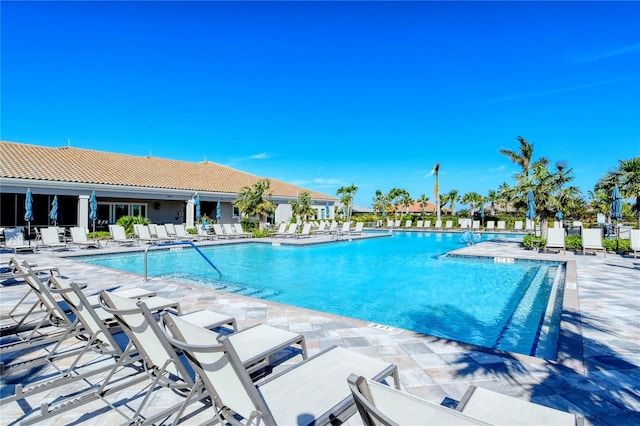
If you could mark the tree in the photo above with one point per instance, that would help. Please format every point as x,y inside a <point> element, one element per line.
<point>436,188</point>
<point>453,198</point>
<point>346,194</point>
<point>505,195</point>
<point>424,202</point>
<point>492,198</point>
<point>254,201</point>
<point>302,206</point>
<point>406,201</point>
<point>473,199</point>
<point>523,158</point>
<point>393,198</point>
<point>627,177</point>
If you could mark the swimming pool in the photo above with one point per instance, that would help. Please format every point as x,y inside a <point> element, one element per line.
<point>403,281</point>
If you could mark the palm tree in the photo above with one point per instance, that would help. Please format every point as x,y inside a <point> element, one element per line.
<point>393,198</point>
<point>436,188</point>
<point>505,194</point>
<point>523,158</point>
<point>346,194</point>
<point>379,202</point>
<point>453,198</point>
<point>406,201</point>
<point>473,199</point>
<point>424,202</point>
<point>255,201</point>
<point>627,176</point>
<point>302,206</point>
<point>492,198</point>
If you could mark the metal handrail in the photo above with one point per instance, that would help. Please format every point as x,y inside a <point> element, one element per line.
<point>189,243</point>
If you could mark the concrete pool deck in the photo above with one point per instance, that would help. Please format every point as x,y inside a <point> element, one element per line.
<point>598,375</point>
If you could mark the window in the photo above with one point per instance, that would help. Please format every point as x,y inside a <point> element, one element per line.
<point>236,212</point>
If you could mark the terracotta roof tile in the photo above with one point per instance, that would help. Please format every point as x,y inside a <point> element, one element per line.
<point>68,164</point>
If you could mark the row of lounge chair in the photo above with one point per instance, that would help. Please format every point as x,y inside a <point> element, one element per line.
<point>323,228</point>
<point>466,224</point>
<point>591,240</point>
<point>51,238</point>
<point>161,346</point>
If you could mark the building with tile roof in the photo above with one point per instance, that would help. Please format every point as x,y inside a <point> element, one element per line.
<point>160,189</point>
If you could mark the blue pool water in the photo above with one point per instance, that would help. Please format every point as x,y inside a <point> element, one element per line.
<point>401,281</point>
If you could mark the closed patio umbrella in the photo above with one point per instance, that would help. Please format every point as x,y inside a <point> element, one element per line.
<point>28,212</point>
<point>218,211</point>
<point>326,210</point>
<point>196,203</point>
<point>531,206</point>
<point>616,204</point>
<point>53,214</point>
<point>93,206</point>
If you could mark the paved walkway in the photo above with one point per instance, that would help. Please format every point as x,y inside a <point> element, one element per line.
<point>597,374</point>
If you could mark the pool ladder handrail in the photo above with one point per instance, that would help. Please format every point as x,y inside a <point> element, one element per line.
<point>179,243</point>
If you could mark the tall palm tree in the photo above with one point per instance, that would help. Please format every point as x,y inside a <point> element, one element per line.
<point>424,202</point>
<point>492,198</point>
<point>346,194</point>
<point>255,200</point>
<point>523,158</point>
<point>302,206</point>
<point>406,201</point>
<point>436,188</point>
<point>473,199</point>
<point>393,198</point>
<point>379,202</point>
<point>453,198</point>
<point>505,195</point>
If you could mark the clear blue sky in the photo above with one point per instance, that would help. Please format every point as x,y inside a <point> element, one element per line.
<point>326,94</point>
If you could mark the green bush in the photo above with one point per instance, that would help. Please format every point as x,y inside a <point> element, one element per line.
<point>261,233</point>
<point>99,235</point>
<point>250,224</point>
<point>573,242</point>
<point>128,221</point>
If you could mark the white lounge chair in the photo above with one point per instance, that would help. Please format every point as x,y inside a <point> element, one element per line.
<point>51,240</point>
<point>438,224</point>
<point>381,405</point>
<point>255,346</point>
<point>397,223</point>
<point>79,238</point>
<point>502,225</point>
<point>313,391</point>
<point>517,226</point>
<point>420,224</point>
<point>240,232</point>
<point>448,224</point>
<point>555,239</point>
<point>144,234</point>
<point>634,241</point>
<point>291,230</point>
<point>229,231</point>
<point>306,231</point>
<point>162,234</point>
<point>408,223</point>
<point>119,236</point>
<point>182,234</point>
<point>346,227</point>
<point>358,229</point>
<point>282,229</point>
<point>475,225</point>
<point>491,225</point>
<point>218,231</point>
<point>592,241</point>
<point>390,223</point>
<point>171,229</point>
<point>427,224</point>
<point>14,240</point>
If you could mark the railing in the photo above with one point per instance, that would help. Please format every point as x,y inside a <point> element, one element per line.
<point>182,243</point>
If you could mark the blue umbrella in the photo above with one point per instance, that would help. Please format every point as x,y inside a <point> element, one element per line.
<point>616,204</point>
<point>531,206</point>
<point>93,213</point>
<point>218,211</point>
<point>53,214</point>
<point>28,206</point>
<point>326,210</point>
<point>559,215</point>
<point>28,212</point>
<point>196,203</point>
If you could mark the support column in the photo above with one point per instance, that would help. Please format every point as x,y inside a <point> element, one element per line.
<point>83,211</point>
<point>190,213</point>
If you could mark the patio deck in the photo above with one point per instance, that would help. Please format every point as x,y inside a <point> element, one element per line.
<point>597,374</point>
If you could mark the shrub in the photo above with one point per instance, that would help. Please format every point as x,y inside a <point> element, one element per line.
<point>128,221</point>
<point>99,235</point>
<point>250,224</point>
<point>573,242</point>
<point>257,233</point>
